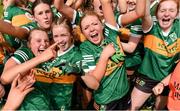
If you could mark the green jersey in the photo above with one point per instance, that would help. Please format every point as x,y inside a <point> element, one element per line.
<point>161,51</point>
<point>36,99</point>
<point>153,7</point>
<point>17,17</point>
<point>114,85</point>
<point>22,55</point>
<point>61,74</point>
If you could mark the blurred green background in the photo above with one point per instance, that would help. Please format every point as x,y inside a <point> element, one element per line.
<point>1,9</point>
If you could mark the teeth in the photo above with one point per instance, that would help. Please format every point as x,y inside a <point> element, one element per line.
<point>94,35</point>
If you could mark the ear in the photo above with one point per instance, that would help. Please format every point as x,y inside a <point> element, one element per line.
<point>28,44</point>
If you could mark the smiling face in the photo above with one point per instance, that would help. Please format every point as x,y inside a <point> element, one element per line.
<point>43,15</point>
<point>38,42</point>
<point>92,29</point>
<point>166,14</point>
<point>62,35</point>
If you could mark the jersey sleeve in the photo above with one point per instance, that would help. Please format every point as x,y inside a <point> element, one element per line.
<point>8,14</point>
<point>23,54</point>
<point>88,62</point>
<point>76,17</point>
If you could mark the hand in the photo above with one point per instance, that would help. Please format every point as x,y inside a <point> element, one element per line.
<point>118,56</point>
<point>2,91</point>
<point>19,89</point>
<point>58,3</point>
<point>158,89</point>
<point>49,53</point>
<point>108,51</point>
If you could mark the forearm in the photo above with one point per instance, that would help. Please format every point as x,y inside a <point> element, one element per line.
<point>131,16</point>
<point>140,7</point>
<point>64,9</point>
<point>122,6</point>
<point>9,74</point>
<point>146,19</point>
<point>100,69</point>
<point>131,45</point>
<point>7,28</point>
<point>108,12</point>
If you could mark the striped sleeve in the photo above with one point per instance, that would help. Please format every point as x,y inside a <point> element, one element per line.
<point>22,55</point>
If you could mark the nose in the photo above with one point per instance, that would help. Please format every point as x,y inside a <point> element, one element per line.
<point>91,28</point>
<point>43,43</point>
<point>167,13</point>
<point>45,15</point>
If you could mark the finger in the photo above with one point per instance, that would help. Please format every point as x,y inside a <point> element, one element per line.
<point>15,81</point>
<point>24,84</point>
<point>29,85</point>
<point>28,90</point>
<point>53,46</point>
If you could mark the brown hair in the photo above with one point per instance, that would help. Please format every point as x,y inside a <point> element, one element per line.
<point>21,2</point>
<point>37,2</point>
<point>65,23</point>
<point>89,13</point>
<point>36,29</point>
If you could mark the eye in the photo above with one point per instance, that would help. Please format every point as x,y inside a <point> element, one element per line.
<point>55,36</point>
<point>86,27</point>
<point>162,10</point>
<point>95,23</point>
<point>40,13</point>
<point>47,11</point>
<point>172,10</point>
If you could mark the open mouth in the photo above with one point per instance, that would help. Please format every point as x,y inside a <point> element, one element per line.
<point>166,20</point>
<point>41,50</point>
<point>47,22</point>
<point>94,35</point>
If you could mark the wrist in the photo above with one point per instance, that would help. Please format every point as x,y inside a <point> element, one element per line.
<point>162,84</point>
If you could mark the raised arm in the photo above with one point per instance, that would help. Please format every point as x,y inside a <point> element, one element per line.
<point>131,16</point>
<point>64,9</point>
<point>108,12</point>
<point>122,6</point>
<point>9,29</point>
<point>147,21</point>
<point>10,73</point>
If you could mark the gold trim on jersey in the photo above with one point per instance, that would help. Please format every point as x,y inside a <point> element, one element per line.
<point>111,67</point>
<point>20,20</point>
<point>4,46</point>
<point>158,46</point>
<point>78,34</point>
<point>53,76</point>
<point>125,33</point>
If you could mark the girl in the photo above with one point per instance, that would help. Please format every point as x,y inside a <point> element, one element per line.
<point>42,15</point>
<point>106,96</point>
<point>38,42</point>
<point>67,65</point>
<point>161,52</point>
